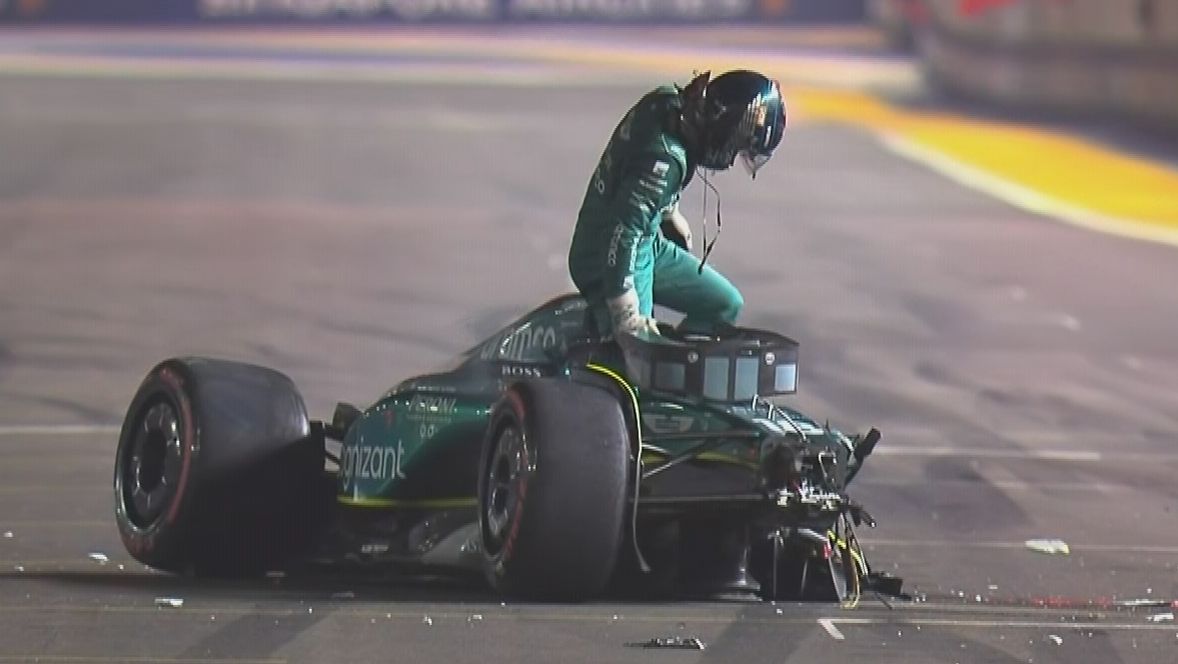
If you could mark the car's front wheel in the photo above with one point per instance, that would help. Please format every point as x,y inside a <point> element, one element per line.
<point>552,490</point>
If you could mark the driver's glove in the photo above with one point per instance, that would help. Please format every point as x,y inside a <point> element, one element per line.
<point>623,314</point>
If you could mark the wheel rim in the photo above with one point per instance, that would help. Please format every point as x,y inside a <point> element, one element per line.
<point>506,470</point>
<point>151,469</point>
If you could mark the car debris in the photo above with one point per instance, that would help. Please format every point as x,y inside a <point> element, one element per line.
<point>670,643</point>
<point>1049,546</point>
<point>169,602</point>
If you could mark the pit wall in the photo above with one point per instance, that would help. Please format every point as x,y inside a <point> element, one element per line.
<point>1082,56</point>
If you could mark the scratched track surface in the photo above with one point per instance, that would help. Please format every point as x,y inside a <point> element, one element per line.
<point>351,233</point>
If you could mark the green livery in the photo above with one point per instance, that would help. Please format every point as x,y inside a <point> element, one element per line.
<point>554,462</point>
<point>418,444</point>
<point>400,436</point>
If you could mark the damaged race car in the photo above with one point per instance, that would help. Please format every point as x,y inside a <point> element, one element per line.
<point>558,465</point>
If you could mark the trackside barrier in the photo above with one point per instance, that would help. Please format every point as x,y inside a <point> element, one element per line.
<point>450,11</point>
<point>1083,56</point>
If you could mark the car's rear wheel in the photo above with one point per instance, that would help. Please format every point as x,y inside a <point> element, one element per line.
<point>552,490</point>
<point>216,468</point>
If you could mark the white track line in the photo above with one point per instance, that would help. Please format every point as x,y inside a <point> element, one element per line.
<point>968,544</point>
<point>130,659</point>
<point>57,429</point>
<point>1024,197</point>
<point>828,625</point>
<point>1008,485</point>
<point>50,430</point>
<point>1084,456</point>
<point>989,453</point>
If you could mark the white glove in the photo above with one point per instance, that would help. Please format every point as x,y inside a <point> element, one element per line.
<point>674,217</point>
<point>623,314</point>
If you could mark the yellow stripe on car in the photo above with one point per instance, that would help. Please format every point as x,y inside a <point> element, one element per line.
<point>425,503</point>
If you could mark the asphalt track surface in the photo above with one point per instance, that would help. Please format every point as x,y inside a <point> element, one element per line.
<point>351,232</point>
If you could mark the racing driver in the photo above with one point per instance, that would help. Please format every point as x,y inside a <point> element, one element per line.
<point>631,247</point>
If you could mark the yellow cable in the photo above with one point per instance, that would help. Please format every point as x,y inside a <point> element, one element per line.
<point>625,385</point>
<point>637,457</point>
<point>857,591</point>
<point>858,558</point>
<point>858,566</point>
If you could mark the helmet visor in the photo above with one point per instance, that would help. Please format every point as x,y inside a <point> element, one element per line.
<point>765,120</point>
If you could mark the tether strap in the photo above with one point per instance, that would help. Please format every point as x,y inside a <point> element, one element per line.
<point>719,223</point>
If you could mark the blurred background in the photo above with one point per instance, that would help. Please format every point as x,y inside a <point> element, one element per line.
<point>421,114</point>
<point>1066,55</point>
<point>971,228</point>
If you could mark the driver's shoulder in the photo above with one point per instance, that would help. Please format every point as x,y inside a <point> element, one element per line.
<point>664,156</point>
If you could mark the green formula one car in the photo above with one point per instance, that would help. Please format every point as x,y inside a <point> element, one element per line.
<point>559,466</point>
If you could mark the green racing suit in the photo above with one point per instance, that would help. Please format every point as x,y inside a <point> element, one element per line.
<point>617,244</point>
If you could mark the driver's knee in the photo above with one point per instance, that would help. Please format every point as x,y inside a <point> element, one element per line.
<point>723,307</point>
<point>706,313</point>
<point>730,307</point>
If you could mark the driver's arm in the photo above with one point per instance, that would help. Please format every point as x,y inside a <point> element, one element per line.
<point>647,186</point>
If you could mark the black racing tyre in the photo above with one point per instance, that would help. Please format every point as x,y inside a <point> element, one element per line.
<point>216,468</point>
<point>553,486</point>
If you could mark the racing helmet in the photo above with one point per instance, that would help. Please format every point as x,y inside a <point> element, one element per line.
<point>738,113</point>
